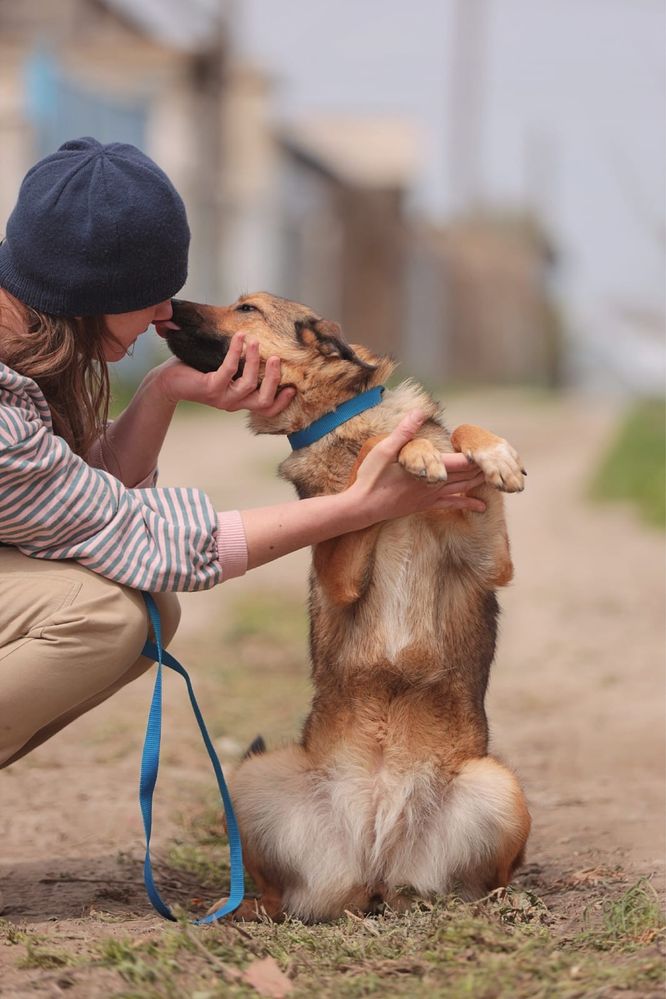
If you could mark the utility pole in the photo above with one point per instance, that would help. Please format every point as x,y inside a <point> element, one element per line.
<point>467,80</point>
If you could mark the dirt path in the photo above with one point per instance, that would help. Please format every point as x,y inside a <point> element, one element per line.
<point>576,701</point>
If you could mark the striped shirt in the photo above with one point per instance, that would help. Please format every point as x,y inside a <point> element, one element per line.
<point>55,505</point>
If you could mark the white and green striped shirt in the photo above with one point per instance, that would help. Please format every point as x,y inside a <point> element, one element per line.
<point>54,505</point>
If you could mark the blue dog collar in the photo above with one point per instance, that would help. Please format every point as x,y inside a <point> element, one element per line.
<point>345,411</point>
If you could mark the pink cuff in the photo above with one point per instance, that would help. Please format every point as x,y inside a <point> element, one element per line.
<point>231,544</point>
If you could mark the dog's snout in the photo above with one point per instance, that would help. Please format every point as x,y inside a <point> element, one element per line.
<point>193,336</point>
<point>185,313</point>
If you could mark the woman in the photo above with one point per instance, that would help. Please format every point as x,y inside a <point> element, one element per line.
<point>95,249</point>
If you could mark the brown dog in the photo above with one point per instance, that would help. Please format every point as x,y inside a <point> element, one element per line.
<point>390,793</point>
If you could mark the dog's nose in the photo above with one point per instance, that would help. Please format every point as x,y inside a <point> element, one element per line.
<point>180,310</point>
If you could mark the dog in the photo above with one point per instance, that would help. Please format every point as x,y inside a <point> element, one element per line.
<point>390,795</point>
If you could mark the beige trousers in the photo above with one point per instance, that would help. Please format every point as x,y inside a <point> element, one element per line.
<point>68,640</point>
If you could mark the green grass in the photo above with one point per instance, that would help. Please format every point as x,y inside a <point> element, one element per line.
<point>634,469</point>
<point>506,947</point>
<point>628,922</point>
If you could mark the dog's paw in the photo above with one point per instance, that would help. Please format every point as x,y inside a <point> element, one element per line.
<point>501,465</point>
<point>421,458</point>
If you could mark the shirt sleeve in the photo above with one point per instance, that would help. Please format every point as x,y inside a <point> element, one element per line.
<point>53,505</point>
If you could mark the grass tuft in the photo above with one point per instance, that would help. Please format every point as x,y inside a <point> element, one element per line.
<point>40,955</point>
<point>631,921</point>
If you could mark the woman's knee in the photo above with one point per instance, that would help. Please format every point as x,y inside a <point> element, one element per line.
<point>125,617</point>
<point>106,623</point>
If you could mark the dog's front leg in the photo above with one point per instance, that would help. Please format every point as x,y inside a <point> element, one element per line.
<point>503,469</point>
<point>344,565</point>
<point>499,462</point>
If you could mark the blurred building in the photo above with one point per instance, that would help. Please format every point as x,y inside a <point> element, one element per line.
<point>316,210</point>
<point>344,186</point>
<point>480,307</point>
<point>145,72</point>
<point>467,302</point>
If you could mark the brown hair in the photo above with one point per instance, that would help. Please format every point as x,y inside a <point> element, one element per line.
<point>64,355</point>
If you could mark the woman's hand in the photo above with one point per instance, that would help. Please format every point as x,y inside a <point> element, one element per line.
<point>218,389</point>
<point>385,490</point>
<point>382,490</point>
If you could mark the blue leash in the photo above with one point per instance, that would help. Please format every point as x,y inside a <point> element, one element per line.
<point>150,761</point>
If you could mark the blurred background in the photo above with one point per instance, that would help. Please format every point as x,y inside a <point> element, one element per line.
<point>476,186</point>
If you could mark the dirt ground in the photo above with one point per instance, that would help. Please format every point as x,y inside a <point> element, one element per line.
<point>576,701</point>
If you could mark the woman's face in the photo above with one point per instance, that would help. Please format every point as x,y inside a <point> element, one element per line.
<point>124,328</point>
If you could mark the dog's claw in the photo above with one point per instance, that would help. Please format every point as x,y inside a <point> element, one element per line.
<point>419,457</point>
<point>502,467</point>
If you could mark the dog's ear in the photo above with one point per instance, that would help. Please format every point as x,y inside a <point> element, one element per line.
<point>326,337</point>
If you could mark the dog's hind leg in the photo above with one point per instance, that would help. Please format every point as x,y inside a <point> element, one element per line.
<point>473,841</point>
<point>303,853</point>
<point>253,908</point>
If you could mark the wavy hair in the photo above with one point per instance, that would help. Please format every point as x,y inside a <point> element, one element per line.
<point>64,356</point>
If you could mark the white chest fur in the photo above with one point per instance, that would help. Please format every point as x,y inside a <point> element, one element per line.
<point>404,592</point>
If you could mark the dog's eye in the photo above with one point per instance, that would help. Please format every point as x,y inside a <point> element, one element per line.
<point>246,307</point>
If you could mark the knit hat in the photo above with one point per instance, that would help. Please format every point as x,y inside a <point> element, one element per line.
<point>96,229</point>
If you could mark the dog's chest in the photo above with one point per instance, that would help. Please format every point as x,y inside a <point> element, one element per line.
<point>404,595</point>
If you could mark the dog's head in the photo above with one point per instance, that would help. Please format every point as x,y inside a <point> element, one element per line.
<point>315,358</point>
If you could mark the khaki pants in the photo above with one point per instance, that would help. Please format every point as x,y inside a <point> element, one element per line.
<point>68,640</point>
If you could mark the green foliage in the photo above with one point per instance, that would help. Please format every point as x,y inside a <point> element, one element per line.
<point>634,469</point>
<point>152,962</point>
<point>40,955</point>
<point>628,922</point>
<point>505,947</point>
<point>10,933</point>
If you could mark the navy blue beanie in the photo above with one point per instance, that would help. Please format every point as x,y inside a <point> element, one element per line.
<point>96,229</point>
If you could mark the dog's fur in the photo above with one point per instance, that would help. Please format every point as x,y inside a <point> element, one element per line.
<point>391,793</point>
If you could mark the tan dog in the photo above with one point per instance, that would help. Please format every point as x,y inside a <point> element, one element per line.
<point>390,793</point>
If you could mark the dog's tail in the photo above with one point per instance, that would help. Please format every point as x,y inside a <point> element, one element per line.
<point>256,748</point>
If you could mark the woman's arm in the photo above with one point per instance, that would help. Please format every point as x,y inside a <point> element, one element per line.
<point>382,490</point>
<point>53,505</point>
<point>132,444</point>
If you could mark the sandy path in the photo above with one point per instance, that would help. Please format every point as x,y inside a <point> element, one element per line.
<point>576,701</point>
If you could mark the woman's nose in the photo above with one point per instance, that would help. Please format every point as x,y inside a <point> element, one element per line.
<point>163,311</point>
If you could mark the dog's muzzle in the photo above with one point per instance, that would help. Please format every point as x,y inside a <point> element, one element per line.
<point>192,341</point>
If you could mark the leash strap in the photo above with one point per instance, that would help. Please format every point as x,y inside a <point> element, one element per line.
<point>150,761</point>
<point>345,411</point>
